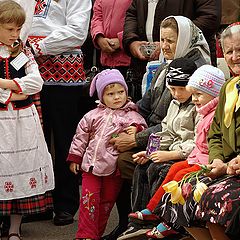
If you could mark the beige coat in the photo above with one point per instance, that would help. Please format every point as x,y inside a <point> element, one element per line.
<point>179,128</point>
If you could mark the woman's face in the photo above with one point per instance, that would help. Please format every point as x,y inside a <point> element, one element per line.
<point>168,42</point>
<point>231,48</point>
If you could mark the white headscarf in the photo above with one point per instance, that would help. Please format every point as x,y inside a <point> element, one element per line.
<point>189,37</point>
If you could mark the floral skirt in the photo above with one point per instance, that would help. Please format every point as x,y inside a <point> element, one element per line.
<point>30,205</point>
<point>220,204</point>
<point>177,214</point>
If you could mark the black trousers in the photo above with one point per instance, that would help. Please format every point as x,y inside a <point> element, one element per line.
<point>62,109</point>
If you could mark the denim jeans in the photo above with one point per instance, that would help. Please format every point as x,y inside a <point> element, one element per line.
<point>146,180</point>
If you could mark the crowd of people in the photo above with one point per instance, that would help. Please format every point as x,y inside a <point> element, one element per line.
<point>59,130</point>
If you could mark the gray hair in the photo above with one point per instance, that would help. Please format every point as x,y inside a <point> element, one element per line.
<point>228,32</point>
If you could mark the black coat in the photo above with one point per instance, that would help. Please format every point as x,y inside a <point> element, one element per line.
<point>206,14</point>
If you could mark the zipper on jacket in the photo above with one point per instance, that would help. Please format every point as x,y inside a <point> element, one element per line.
<point>100,139</point>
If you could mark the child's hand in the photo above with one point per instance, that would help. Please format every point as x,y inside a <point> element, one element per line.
<point>74,167</point>
<point>131,130</point>
<point>18,97</point>
<point>163,156</point>
<point>140,157</point>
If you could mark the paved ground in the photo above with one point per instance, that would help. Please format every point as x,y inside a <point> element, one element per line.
<point>46,230</point>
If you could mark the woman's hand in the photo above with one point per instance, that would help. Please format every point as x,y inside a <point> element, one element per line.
<point>234,166</point>
<point>135,49</point>
<point>124,142</point>
<point>218,168</point>
<point>140,157</point>
<point>156,53</point>
<point>114,43</point>
<point>74,167</point>
<point>104,44</point>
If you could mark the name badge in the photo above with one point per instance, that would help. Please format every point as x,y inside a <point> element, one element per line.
<point>19,61</point>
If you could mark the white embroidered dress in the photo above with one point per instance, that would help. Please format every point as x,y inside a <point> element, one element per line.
<point>25,163</point>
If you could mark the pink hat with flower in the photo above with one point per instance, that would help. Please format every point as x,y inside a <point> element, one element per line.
<point>207,79</point>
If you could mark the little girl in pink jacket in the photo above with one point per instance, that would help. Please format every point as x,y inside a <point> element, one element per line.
<point>92,153</point>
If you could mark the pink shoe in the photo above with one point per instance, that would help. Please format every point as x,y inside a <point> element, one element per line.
<point>143,217</point>
<point>156,234</point>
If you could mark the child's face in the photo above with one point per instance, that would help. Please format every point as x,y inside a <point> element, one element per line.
<point>179,93</point>
<point>199,98</point>
<point>114,96</point>
<point>9,33</point>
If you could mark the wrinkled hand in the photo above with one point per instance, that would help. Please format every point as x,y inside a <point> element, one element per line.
<point>114,43</point>
<point>74,167</point>
<point>124,142</point>
<point>156,53</point>
<point>104,44</point>
<point>218,168</point>
<point>131,130</point>
<point>140,157</point>
<point>135,49</point>
<point>234,166</point>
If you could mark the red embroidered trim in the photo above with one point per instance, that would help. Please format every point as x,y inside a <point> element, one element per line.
<point>20,89</point>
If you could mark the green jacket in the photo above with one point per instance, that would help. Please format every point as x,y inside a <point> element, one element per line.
<point>224,143</point>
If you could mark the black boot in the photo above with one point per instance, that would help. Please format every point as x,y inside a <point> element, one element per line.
<point>124,208</point>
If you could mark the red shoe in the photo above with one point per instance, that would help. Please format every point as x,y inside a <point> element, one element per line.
<point>143,217</point>
<point>156,234</point>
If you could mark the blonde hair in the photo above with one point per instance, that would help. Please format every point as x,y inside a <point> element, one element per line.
<point>12,12</point>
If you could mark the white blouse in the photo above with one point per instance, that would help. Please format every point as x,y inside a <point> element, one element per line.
<point>64,25</point>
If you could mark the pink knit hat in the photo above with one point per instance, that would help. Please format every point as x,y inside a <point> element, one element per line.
<point>104,78</point>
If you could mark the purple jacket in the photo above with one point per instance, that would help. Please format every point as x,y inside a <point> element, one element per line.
<point>90,146</point>
<point>199,155</point>
<point>108,19</point>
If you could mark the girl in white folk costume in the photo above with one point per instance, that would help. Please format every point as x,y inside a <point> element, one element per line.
<point>26,175</point>
<point>59,29</point>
